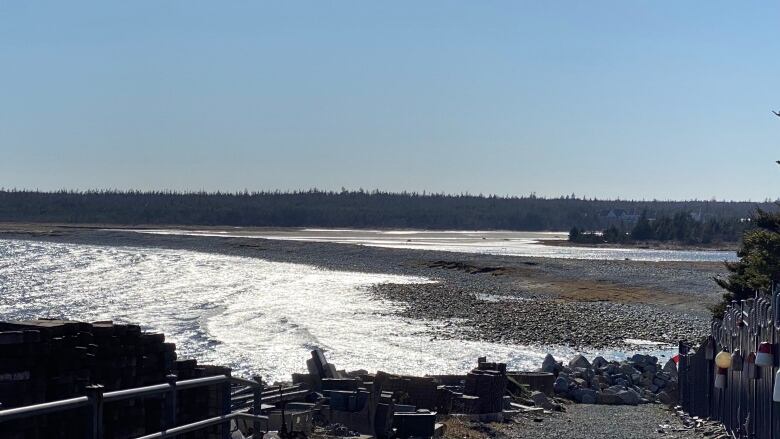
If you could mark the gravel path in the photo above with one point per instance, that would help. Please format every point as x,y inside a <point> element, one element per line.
<point>584,421</point>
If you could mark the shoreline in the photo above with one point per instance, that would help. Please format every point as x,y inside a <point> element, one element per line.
<point>648,245</point>
<point>506,299</point>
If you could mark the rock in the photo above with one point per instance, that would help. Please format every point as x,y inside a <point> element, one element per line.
<point>600,362</point>
<point>644,359</point>
<point>584,396</point>
<point>614,389</point>
<point>550,365</point>
<point>665,398</point>
<point>627,369</point>
<point>561,385</point>
<point>541,400</point>
<point>579,361</point>
<point>607,398</point>
<point>628,397</point>
<point>670,367</point>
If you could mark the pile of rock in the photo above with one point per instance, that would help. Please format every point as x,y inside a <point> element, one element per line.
<point>637,380</point>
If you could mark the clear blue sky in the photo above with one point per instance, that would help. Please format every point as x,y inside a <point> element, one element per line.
<point>630,99</point>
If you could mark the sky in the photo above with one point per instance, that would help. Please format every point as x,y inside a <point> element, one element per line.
<point>629,99</point>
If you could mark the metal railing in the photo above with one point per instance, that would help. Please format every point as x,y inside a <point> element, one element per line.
<point>95,399</point>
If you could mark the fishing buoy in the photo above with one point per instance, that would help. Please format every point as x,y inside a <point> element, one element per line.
<point>723,359</point>
<point>753,371</point>
<point>736,361</point>
<point>764,356</point>
<point>720,378</point>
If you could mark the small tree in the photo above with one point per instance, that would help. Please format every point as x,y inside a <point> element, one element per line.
<point>759,261</point>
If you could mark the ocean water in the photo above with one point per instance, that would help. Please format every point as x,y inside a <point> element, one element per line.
<point>256,316</point>
<point>485,242</point>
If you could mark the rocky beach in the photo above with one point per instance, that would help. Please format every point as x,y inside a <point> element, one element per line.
<point>533,301</point>
<point>578,304</point>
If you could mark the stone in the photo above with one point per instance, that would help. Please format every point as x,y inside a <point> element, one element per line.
<point>550,365</point>
<point>561,385</point>
<point>628,397</point>
<point>584,396</point>
<point>541,400</point>
<point>608,398</point>
<point>627,369</point>
<point>599,362</point>
<point>653,388</point>
<point>671,368</point>
<point>665,398</point>
<point>579,361</point>
<point>614,389</point>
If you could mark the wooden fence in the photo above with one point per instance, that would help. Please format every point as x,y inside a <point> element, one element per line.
<point>745,405</point>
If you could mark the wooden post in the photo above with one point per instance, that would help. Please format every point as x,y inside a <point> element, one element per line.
<point>257,402</point>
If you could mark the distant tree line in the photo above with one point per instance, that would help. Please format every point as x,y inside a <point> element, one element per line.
<point>363,209</point>
<point>681,227</point>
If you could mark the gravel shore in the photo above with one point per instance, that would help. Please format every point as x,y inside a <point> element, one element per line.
<point>476,314</point>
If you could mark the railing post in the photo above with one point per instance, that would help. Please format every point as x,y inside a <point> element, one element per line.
<point>225,426</point>
<point>95,412</point>
<point>257,403</point>
<point>170,403</point>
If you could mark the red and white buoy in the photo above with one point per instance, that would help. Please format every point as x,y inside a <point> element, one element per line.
<point>764,356</point>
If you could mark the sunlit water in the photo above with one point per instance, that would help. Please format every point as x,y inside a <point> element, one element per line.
<point>252,315</point>
<point>485,242</point>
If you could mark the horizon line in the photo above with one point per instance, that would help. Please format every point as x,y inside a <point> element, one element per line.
<point>376,191</point>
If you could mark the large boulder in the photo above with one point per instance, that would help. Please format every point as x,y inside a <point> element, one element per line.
<point>561,385</point>
<point>628,397</point>
<point>644,359</point>
<point>608,398</point>
<point>579,361</point>
<point>670,367</point>
<point>600,362</point>
<point>627,369</point>
<point>550,365</point>
<point>584,396</point>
